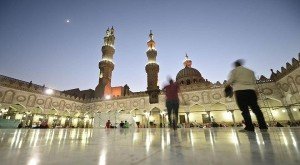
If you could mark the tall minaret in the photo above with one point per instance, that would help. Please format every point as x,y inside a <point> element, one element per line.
<point>152,69</point>
<point>106,65</point>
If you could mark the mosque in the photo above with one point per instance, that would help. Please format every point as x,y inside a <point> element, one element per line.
<point>205,102</point>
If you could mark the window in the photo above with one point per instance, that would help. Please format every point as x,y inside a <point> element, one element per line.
<point>188,82</point>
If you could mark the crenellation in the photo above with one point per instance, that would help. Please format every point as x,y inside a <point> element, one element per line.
<point>218,83</point>
<point>283,70</point>
<point>288,66</point>
<point>295,62</point>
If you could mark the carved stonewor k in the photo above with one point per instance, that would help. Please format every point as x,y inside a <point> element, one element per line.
<point>31,100</point>
<point>8,96</point>
<point>48,103</point>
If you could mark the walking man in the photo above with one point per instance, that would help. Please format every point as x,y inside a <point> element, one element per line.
<point>172,102</point>
<point>243,82</point>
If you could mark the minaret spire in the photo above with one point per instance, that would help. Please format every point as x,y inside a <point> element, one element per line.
<point>151,35</point>
<point>187,62</point>
<point>151,42</point>
<point>109,39</point>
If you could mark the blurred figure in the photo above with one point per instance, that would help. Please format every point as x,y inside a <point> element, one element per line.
<point>107,125</point>
<point>122,124</point>
<point>172,102</point>
<point>243,83</point>
<point>126,124</point>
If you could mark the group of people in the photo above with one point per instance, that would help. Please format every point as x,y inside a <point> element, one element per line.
<point>241,83</point>
<point>121,125</point>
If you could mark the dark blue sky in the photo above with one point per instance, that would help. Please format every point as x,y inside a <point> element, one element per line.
<point>36,43</point>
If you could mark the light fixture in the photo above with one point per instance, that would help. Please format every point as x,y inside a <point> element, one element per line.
<point>49,91</point>
<point>283,110</point>
<point>294,109</point>
<point>107,97</point>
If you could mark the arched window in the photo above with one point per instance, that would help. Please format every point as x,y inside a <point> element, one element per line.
<point>188,82</point>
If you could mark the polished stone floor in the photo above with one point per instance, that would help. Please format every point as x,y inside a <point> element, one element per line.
<point>149,146</point>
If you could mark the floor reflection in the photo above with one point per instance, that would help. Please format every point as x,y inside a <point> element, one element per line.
<point>149,146</point>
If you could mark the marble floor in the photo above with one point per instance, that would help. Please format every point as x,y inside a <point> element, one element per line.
<point>149,146</point>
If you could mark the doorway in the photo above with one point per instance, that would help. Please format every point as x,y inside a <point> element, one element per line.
<point>181,119</point>
<point>205,118</point>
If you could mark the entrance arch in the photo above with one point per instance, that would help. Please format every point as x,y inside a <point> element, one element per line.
<point>219,113</point>
<point>155,119</point>
<point>197,113</point>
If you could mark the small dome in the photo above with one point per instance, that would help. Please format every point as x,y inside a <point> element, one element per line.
<point>189,75</point>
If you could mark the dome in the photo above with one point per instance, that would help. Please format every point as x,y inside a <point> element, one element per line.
<point>189,75</point>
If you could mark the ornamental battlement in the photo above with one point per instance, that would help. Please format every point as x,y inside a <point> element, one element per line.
<point>34,88</point>
<point>286,70</point>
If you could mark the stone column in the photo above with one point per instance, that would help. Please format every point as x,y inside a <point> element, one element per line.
<point>92,122</point>
<point>290,114</point>
<point>188,119</point>
<point>163,122</point>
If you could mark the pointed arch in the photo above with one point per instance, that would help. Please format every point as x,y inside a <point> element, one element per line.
<point>155,109</point>
<point>18,108</point>
<point>270,103</point>
<point>218,106</point>
<point>65,113</point>
<point>37,110</point>
<point>136,111</point>
<point>52,111</point>
<point>197,108</point>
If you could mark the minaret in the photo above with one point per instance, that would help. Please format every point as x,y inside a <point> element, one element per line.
<point>106,65</point>
<point>152,69</point>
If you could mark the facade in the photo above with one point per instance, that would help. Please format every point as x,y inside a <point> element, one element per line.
<point>33,104</point>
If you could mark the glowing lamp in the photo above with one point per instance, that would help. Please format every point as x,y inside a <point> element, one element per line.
<point>49,91</point>
<point>107,97</point>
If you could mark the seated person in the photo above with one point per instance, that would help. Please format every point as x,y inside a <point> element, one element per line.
<point>126,124</point>
<point>108,124</point>
<point>122,124</point>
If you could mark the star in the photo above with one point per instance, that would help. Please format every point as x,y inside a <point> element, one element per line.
<point>67,20</point>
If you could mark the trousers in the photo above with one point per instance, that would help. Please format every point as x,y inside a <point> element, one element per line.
<point>246,99</point>
<point>172,106</point>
